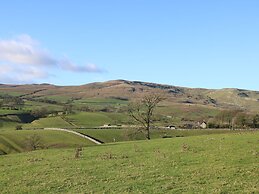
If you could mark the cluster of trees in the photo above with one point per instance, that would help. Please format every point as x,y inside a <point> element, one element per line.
<point>11,102</point>
<point>39,112</point>
<point>67,109</point>
<point>234,119</point>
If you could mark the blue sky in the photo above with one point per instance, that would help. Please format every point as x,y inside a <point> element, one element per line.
<point>211,44</point>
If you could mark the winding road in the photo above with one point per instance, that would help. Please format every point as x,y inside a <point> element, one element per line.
<point>76,133</point>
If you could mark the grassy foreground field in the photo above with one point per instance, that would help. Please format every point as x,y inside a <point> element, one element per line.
<point>220,163</point>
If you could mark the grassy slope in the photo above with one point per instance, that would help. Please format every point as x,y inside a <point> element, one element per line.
<point>6,126</point>
<point>206,164</point>
<point>230,96</point>
<point>30,105</point>
<point>7,146</point>
<point>100,102</point>
<point>48,122</point>
<point>85,119</point>
<point>94,119</point>
<point>4,111</point>
<point>15,141</point>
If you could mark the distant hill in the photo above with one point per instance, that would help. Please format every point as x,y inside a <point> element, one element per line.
<point>229,98</point>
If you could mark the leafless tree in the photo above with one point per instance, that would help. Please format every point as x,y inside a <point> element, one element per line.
<point>142,111</point>
<point>34,142</point>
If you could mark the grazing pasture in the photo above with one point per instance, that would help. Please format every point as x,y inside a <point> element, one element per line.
<point>218,163</point>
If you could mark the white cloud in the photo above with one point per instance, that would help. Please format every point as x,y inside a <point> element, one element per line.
<point>23,59</point>
<point>12,74</point>
<point>24,50</point>
<point>68,65</point>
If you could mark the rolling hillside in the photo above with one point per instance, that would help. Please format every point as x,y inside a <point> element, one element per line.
<point>124,90</point>
<point>102,103</point>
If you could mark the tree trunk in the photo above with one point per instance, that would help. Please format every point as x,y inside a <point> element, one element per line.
<point>148,131</point>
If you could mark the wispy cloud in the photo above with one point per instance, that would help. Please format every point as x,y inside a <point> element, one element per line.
<point>23,59</point>
<point>11,74</point>
<point>24,50</point>
<point>69,66</point>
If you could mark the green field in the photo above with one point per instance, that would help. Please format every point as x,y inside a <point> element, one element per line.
<point>119,135</point>
<point>6,125</point>
<point>15,141</point>
<point>81,119</point>
<point>5,111</point>
<point>101,101</point>
<point>225,163</point>
<point>58,98</point>
<point>48,122</point>
<point>30,105</point>
<point>112,135</point>
<point>96,119</point>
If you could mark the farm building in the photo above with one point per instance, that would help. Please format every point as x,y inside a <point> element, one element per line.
<point>203,125</point>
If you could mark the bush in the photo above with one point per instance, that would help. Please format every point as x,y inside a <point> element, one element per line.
<point>18,127</point>
<point>39,112</point>
<point>78,152</point>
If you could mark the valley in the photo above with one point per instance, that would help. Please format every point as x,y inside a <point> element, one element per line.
<point>46,128</point>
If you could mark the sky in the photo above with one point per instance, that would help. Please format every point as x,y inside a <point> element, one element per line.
<point>190,43</point>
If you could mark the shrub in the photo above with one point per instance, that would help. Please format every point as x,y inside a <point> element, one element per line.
<point>78,152</point>
<point>18,127</point>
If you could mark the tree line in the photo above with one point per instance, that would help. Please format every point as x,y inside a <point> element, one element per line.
<point>233,119</point>
<point>11,102</point>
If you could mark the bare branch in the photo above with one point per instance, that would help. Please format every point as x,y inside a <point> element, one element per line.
<point>142,111</point>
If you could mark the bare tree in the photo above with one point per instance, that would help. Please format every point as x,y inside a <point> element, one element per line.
<point>34,142</point>
<point>68,109</point>
<point>142,111</point>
